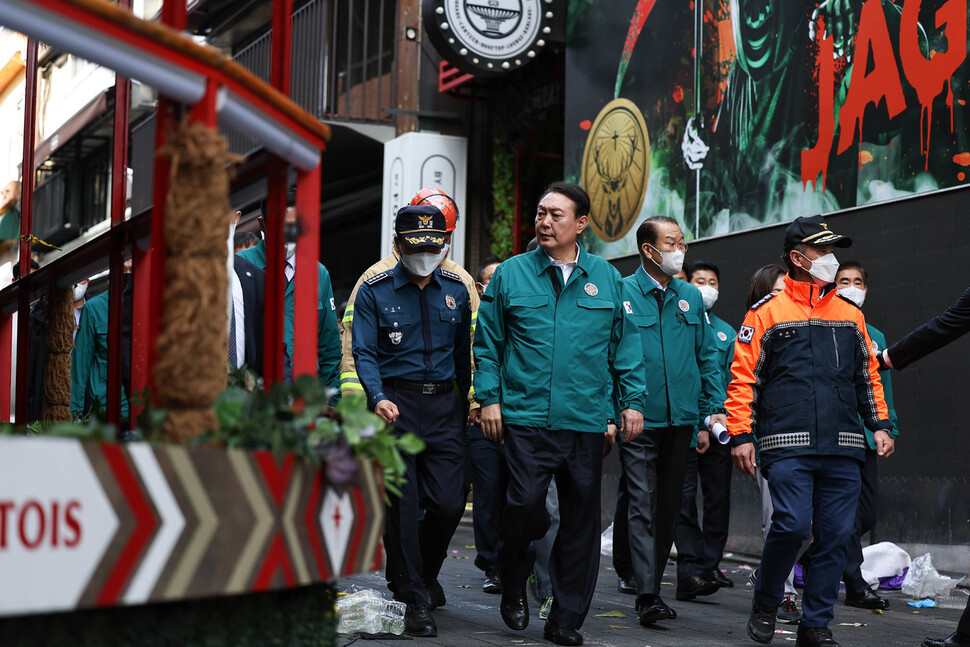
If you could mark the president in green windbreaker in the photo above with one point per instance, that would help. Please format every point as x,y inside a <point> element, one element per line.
<point>552,344</point>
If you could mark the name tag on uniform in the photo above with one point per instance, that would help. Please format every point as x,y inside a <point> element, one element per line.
<point>786,333</point>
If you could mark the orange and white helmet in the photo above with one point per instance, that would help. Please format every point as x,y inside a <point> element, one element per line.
<point>444,202</point>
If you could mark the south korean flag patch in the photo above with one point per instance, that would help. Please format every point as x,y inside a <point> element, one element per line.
<point>628,307</point>
<point>745,335</point>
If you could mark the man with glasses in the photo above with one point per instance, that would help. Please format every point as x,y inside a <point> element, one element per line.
<point>684,386</point>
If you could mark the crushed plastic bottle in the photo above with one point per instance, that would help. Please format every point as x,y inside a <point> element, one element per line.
<point>957,599</point>
<point>366,611</point>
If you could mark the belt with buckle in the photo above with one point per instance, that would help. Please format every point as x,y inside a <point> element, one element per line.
<point>424,388</point>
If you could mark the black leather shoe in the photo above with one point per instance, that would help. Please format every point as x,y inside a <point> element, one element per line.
<point>723,581</point>
<point>560,635</point>
<point>436,594</point>
<point>418,622</point>
<point>627,585</point>
<point>953,640</point>
<point>868,599</point>
<point>761,623</point>
<point>515,610</point>
<point>692,586</point>
<point>651,609</point>
<point>493,583</point>
<point>815,637</point>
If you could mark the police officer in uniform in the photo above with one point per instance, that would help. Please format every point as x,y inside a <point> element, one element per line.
<point>411,346</point>
<point>552,345</point>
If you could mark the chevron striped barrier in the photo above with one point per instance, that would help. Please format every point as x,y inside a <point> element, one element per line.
<point>87,525</point>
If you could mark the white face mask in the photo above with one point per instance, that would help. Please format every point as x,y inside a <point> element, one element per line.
<point>824,268</point>
<point>423,263</point>
<point>709,294</point>
<point>446,248</point>
<point>79,291</point>
<point>673,262</point>
<point>854,294</point>
<point>290,250</point>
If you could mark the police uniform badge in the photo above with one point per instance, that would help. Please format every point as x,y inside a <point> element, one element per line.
<point>396,336</point>
<point>683,305</point>
<point>424,222</point>
<point>450,302</point>
<point>746,334</point>
<point>591,289</point>
<point>628,307</point>
<point>721,335</point>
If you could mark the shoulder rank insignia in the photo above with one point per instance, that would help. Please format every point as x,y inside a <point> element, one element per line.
<point>451,275</point>
<point>377,278</point>
<point>763,301</point>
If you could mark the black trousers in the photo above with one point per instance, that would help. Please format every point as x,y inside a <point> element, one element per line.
<point>688,536</point>
<point>622,559</point>
<point>486,471</point>
<point>963,628</point>
<point>575,459</point>
<point>416,545</point>
<point>865,520</point>
<point>714,467</point>
<point>653,464</point>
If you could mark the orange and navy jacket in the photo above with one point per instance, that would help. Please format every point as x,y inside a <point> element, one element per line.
<point>803,374</point>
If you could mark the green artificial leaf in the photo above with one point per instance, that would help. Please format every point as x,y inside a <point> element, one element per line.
<point>410,443</point>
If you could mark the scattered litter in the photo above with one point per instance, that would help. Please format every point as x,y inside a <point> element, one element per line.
<point>922,604</point>
<point>621,627</point>
<point>464,586</point>
<point>853,624</point>
<point>611,614</point>
<point>877,611</point>
<point>454,552</point>
<point>366,611</point>
<point>784,631</point>
<point>884,565</point>
<point>924,581</point>
<point>472,547</point>
<point>666,584</point>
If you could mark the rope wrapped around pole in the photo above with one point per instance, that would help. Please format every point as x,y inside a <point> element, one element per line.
<point>60,342</point>
<point>190,372</point>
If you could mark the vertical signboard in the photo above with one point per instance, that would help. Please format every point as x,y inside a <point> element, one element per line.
<point>424,160</point>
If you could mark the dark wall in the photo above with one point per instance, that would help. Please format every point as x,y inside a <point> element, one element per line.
<point>916,251</point>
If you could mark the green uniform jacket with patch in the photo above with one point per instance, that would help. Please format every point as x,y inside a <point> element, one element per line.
<point>328,345</point>
<point>724,336</point>
<point>89,359</point>
<point>552,361</point>
<point>879,341</point>
<point>682,373</point>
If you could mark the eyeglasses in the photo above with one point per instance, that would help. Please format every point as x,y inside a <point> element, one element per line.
<point>681,246</point>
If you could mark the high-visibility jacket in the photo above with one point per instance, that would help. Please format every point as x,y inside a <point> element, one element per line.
<point>802,376</point>
<point>349,380</point>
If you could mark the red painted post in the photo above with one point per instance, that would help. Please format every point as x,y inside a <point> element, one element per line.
<point>275,277</point>
<point>116,251</point>
<point>150,290</point>
<point>204,111</point>
<point>26,228</point>
<point>6,365</point>
<point>305,345</point>
<point>282,44</point>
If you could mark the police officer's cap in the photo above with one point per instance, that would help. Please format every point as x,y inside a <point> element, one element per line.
<point>812,230</point>
<point>420,226</point>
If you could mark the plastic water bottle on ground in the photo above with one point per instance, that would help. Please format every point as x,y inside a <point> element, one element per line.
<point>368,612</point>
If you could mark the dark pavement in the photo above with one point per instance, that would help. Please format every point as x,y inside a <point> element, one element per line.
<point>471,617</point>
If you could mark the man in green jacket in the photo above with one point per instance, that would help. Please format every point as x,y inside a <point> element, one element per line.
<point>89,359</point>
<point>328,346</point>
<point>552,345</point>
<point>853,284</point>
<point>685,386</point>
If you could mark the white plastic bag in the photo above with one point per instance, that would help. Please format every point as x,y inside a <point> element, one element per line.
<point>606,542</point>
<point>366,611</point>
<point>924,581</point>
<point>884,559</point>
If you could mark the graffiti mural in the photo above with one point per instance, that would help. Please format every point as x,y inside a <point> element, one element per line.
<point>751,112</point>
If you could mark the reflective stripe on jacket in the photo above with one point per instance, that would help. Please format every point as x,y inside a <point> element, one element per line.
<point>802,376</point>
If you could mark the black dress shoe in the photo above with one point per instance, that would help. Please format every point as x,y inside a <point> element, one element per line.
<point>953,640</point>
<point>418,622</point>
<point>761,623</point>
<point>651,609</point>
<point>436,594</point>
<point>493,583</point>
<point>560,635</point>
<point>723,581</point>
<point>868,599</point>
<point>627,585</point>
<point>692,586</point>
<point>515,610</point>
<point>815,637</point>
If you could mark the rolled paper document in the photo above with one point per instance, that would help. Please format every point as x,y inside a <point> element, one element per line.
<point>721,433</point>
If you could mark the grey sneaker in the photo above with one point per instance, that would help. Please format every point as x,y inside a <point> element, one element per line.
<point>788,612</point>
<point>545,609</point>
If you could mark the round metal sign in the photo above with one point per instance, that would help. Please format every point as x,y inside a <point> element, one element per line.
<point>616,165</point>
